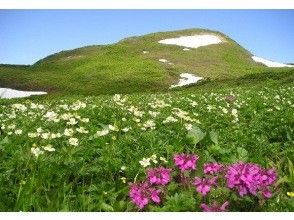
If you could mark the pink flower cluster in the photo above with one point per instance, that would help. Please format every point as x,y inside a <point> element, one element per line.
<point>241,177</point>
<point>186,161</point>
<point>203,186</point>
<point>212,168</point>
<point>214,207</point>
<point>141,194</point>
<point>248,178</point>
<point>159,176</point>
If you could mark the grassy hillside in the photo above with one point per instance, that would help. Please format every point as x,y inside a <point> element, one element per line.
<point>124,68</point>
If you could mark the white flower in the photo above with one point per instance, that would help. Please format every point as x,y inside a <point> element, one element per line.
<point>82,130</point>
<point>49,148</point>
<point>145,162</point>
<point>102,133</point>
<point>68,132</point>
<point>126,129</point>
<point>234,112</point>
<point>153,114</point>
<point>153,158</point>
<point>149,124</point>
<point>36,151</point>
<point>163,159</point>
<point>12,126</point>
<point>123,179</point>
<point>32,135</point>
<point>20,107</point>
<point>225,110</point>
<point>45,135</point>
<point>41,107</point>
<point>188,126</point>
<point>72,121</point>
<point>51,116</point>
<point>193,104</point>
<point>18,132</point>
<point>170,119</point>
<point>113,128</point>
<point>73,141</point>
<point>85,120</point>
<point>123,168</point>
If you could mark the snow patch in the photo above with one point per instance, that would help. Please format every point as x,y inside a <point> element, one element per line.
<point>12,93</point>
<point>186,79</point>
<point>186,49</point>
<point>193,41</point>
<point>269,63</point>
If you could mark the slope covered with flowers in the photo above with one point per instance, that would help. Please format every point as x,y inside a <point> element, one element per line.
<point>230,150</point>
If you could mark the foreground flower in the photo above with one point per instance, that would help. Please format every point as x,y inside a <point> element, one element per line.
<point>159,176</point>
<point>102,133</point>
<point>186,161</point>
<point>36,151</point>
<point>248,178</point>
<point>212,168</point>
<point>73,141</point>
<point>291,194</point>
<point>203,186</point>
<point>145,162</point>
<point>141,194</point>
<point>214,207</point>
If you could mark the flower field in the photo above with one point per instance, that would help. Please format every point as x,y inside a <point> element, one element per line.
<point>230,150</point>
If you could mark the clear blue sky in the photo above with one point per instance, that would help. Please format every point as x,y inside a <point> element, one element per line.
<point>29,35</point>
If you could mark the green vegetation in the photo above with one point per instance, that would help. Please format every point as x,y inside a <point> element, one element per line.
<point>79,154</point>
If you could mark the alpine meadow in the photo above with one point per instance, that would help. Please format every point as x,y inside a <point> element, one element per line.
<point>180,121</point>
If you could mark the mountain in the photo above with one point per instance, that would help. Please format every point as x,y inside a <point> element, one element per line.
<point>134,64</point>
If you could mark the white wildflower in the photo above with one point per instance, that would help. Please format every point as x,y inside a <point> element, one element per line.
<point>73,141</point>
<point>145,162</point>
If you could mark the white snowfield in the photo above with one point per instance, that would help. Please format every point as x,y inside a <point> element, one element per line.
<point>186,79</point>
<point>194,41</point>
<point>269,63</point>
<point>12,93</point>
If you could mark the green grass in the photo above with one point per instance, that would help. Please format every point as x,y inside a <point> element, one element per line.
<point>87,177</point>
<point>123,68</point>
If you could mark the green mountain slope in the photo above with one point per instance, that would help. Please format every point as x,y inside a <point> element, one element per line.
<point>123,67</point>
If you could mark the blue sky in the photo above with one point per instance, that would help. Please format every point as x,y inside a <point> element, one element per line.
<point>29,35</point>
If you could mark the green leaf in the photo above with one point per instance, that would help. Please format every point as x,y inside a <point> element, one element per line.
<point>196,135</point>
<point>242,154</point>
<point>214,136</point>
<point>107,208</point>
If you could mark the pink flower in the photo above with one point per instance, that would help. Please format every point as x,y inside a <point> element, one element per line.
<point>203,186</point>
<point>214,207</point>
<point>159,176</point>
<point>212,168</point>
<point>142,193</point>
<point>249,178</point>
<point>186,161</point>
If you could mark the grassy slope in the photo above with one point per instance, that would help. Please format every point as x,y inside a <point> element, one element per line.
<point>123,68</point>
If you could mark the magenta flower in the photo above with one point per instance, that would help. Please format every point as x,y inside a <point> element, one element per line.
<point>248,178</point>
<point>186,161</point>
<point>214,207</point>
<point>141,194</point>
<point>159,176</point>
<point>212,168</point>
<point>203,186</point>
